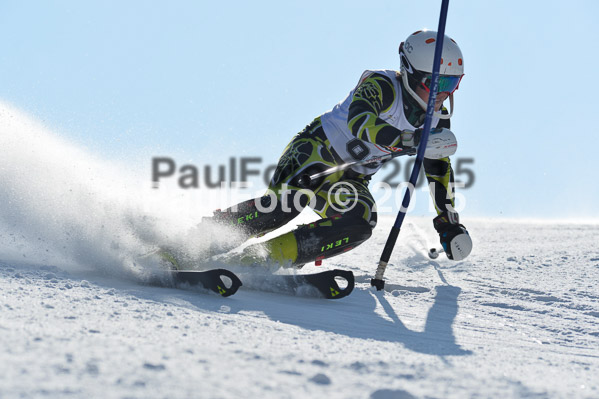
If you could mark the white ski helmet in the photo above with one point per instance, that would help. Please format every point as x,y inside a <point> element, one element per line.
<point>416,55</point>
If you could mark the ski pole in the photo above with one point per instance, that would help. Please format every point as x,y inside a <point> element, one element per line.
<point>378,281</point>
<point>307,179</point>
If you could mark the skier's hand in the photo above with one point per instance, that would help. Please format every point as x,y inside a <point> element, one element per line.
<point>410,138</point>
<point>453,236</point>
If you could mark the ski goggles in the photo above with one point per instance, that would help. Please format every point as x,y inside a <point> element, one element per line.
<point>447,83</point>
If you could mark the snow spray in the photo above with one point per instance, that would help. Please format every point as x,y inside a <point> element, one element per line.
<point>62,204</point>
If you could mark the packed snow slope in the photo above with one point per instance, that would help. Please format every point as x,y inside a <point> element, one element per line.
<point>518,318</point>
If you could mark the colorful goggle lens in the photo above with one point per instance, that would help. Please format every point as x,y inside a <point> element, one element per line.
<point>447,83</point>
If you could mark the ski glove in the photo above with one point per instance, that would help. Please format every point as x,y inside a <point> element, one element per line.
<point>410,138</point>
<point>453,236</point>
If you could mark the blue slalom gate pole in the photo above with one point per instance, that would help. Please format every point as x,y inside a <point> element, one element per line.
<point>378,281</point>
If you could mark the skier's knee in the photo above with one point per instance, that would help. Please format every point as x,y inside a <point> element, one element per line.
<point>363,210</point>
<point>359,229</point>
<point>364,219</point>
<point>363,230</point>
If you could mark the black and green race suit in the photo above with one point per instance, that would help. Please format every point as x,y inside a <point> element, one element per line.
<point>373,115</point>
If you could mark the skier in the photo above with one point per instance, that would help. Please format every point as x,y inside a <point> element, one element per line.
<point>386,108</point>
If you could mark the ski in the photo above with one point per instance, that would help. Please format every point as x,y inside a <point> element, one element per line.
<point>210,279</point>
<point>323,284</point>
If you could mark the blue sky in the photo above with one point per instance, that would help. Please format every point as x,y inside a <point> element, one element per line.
<point>203,81</point>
